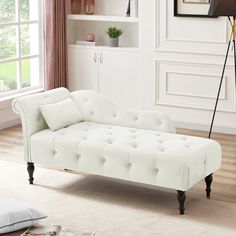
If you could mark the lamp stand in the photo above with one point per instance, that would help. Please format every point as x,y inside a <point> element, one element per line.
<point>231,40</point>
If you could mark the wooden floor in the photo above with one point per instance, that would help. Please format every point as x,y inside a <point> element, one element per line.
<point>11,149</point>
<point>11,144</point>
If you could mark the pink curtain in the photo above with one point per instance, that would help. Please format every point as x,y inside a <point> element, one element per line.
<point>55,44</point>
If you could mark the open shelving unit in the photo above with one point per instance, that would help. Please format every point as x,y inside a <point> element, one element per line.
<point>104,47</point>
<point>103,18</point>
<point>111,71</point>
<point>107,13</point>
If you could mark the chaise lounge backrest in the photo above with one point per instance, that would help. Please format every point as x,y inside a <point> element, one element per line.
<point>97,108</point>
<point>94,108</point>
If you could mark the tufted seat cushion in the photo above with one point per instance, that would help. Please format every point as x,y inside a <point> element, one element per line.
<point>141,155</point>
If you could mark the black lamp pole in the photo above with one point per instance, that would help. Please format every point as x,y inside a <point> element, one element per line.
<point>223,72</point>
<point>224,8</point>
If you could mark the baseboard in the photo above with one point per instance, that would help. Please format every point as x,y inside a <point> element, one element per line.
<point>9,123</point>
<point>206,128</point>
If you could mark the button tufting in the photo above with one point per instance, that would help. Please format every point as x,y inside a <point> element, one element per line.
<point>133,131</point>
<point>54,152</point>
<point>160,141</point>
<point>135,145</point>
<point>134,137</point>
<point>110,133</point>
<point>161,149</point>
<point>92,113</point>
<point>156,170</point>
<point>129,165</point>
<point>187,146</point>
<point>103,160</point>
<point>115,115</point>
<point>136,118</point>
<point>78,156</point>
<point>109,127</point>
<point>86,100</point>
<point>84,138</point>
<point>110,142</point>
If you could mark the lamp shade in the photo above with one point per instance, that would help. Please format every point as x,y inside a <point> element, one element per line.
<point>222,8</point>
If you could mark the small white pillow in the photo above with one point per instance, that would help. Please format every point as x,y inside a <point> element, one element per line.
<point>61,114</point>
<point>15,215</point>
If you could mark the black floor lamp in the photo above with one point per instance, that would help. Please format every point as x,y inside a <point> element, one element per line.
<point>224,8</point>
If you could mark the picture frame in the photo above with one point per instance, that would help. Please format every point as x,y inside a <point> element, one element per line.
<point>192,8</point>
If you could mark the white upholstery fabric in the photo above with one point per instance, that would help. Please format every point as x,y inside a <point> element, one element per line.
<point>61,114</point>
<point>28,107</point>
<point>99,109</point>
<point>151,157</point>
<point>128,144</point>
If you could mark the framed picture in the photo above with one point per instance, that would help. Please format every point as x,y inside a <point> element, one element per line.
<point>191,8</point>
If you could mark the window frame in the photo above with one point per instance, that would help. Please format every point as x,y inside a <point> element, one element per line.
<point>19,58</point>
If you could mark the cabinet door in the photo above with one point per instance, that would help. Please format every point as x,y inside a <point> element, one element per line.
<point>82,68</point>
<point>119,76</point>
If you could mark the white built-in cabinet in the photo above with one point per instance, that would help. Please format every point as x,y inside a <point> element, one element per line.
<point>82,68</point>
<point>113,72</point>
<point>119,77</point>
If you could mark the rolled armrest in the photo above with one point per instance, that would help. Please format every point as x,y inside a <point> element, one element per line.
<point>97,108</point>
<point>18,108</point>
<point>28,107</point>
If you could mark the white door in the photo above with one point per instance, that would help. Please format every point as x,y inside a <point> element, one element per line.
<point>119,76</point>
<point>82,68</point>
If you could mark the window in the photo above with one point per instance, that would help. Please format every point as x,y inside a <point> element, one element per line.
<point>21,58</point>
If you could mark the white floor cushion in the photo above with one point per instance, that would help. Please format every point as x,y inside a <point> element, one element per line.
<point>15,215</point>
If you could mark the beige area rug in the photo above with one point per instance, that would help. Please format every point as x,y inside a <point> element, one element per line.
<point>112,207</point>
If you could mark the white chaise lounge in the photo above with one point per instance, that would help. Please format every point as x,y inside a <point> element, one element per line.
<point>139,146</point>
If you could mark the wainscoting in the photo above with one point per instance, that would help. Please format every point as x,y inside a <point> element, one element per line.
<point>182,59</point>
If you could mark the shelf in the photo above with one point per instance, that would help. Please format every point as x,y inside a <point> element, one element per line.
<point>103,18</point>
<point>134,49</point>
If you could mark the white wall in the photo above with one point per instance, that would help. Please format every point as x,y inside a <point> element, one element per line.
<point>182,61</point>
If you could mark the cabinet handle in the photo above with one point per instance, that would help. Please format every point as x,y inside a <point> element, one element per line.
<point>101,58</point>
<point>95,58</point>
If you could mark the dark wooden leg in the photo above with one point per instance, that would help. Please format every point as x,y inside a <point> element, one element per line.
<point>181,196</point>
<point>30,169</point>
<point>208,181</point>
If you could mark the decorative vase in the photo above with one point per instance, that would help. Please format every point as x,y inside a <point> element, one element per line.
<point>89,7</point>
<point>90,37</point>
<point>75,6</point>
<point>113,42</point>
